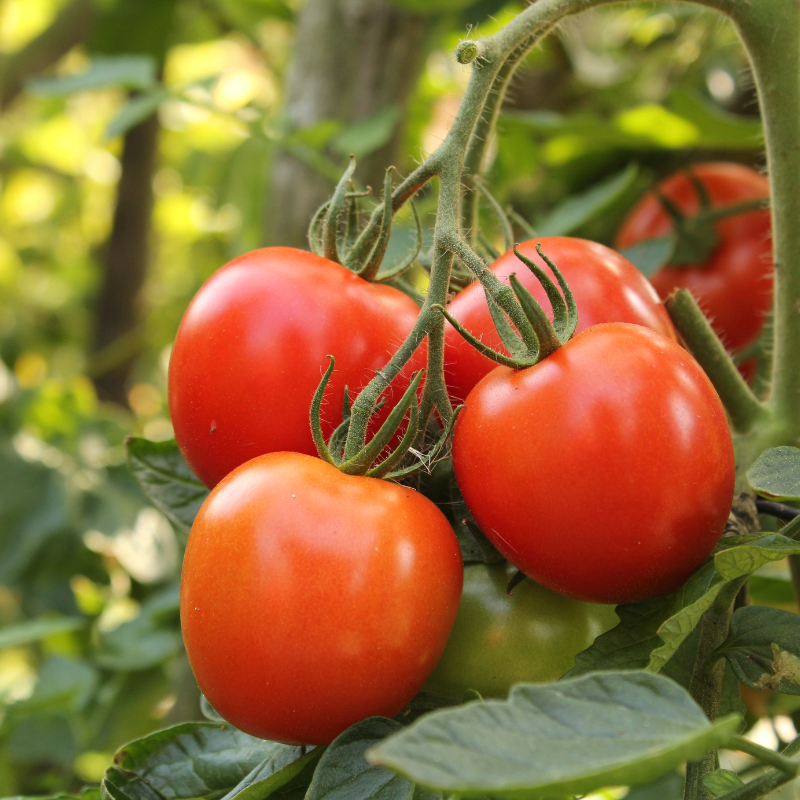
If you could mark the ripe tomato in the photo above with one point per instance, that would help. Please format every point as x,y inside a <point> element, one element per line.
<point>251,348</point>
<point>734,287</point>
<point>499,639</point>
<point>606,287</point>
<point>606,471</point>
<point>311,599</point>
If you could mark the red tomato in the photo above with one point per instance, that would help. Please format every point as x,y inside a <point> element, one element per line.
<point>606,287</point>
<point>606,471</point>
<point>251,348</point>
<point>734,287</point>
<point>311,599</point>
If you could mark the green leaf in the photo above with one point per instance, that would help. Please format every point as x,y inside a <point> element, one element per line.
<point>650,633</point>
<point>770,590</point>
<point>35,630</point>
<point>584,206</point>
<point>165,477</point>
<point>570,737</point>
<point>368,134</point>
<point>63,684</point>
<point>776,474</point>
<point>343,772</point>
<point>721,781</point>
<point>691,601</point>
<point>33,511</point>
<point>109,72</point>
<point>629,644</point>
<point>744,559</point>
<point>718,128</point>
<point>146,640</point>
<point>189,760</point>
<point>763,648</point>
<point>136,110</point>
<point>651,254</point>
<point>280,767</point>
<point>667,787</point>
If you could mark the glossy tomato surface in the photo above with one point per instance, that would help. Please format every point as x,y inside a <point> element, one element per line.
<point>606,471</point>
<point>311,599</point>
<point>734,287</point>
<point>500,639</point>
<point>252,347</point>
<point>606,287</point>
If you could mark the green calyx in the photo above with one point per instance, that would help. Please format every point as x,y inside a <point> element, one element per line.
<point>368,461</point>
<point>337,233</point>
<point>529,343</point>
<point>694,238</point>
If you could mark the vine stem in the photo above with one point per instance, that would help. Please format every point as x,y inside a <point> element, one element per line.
<point>763,784</point>
<point>705,685</point>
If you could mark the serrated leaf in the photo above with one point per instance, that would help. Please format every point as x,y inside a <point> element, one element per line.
<point>343,773</point>
<point>763,648</point>
<point>650,255</point>
<point>681,668</point>
<point>629,644</point>
<point>117,785</point>
<point>776,474</point>
<point>136,110</point>
<point>691,601</point>
<point>186,761</point>
<point>721,781</point>
<point>165,477</point>
<point>35,630</point>
<point>123,71</point>
<point>571,737</point>
<point>280,767</point>
<point>738,561</point>
<point>582,207</point>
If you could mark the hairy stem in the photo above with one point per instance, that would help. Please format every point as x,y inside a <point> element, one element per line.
<point>739,401</point>
<point>705,685</point>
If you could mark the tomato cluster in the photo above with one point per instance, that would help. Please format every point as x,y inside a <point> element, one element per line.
<point>312,598</point>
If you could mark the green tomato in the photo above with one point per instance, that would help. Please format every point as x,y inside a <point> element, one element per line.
<point>499,639</point>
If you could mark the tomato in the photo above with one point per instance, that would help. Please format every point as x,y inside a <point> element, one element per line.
<point>251,348</point>
<point>606,471</point>
<point>311,599</point>
<point>606,287</point>
<point>499,639</point>
<point>734,287</point>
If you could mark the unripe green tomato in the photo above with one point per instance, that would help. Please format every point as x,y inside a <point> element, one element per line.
<point>500,639</point>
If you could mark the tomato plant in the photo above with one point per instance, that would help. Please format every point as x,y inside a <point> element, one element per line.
<point>606,471</point>
<point>251,347</point>
<point>606,286</point>
<point>733,283</point>
<point>499,639</point>
<point>311,599</point>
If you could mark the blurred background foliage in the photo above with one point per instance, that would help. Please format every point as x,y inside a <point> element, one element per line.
<point>143,144</point>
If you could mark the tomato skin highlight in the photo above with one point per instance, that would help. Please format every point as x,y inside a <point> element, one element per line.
<point>606,287</point>
<point>606,471</point>
<point>734,287</point>
<point>498,639</point>
<point>252,347</point>
<point>311,599</point>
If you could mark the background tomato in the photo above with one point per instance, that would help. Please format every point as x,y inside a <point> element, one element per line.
<point>606,471</point>
<point>734,287</point>
<point>311,599</point>
<point>500,639</point>
<point>606,287</point>
<point>251,348</point>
